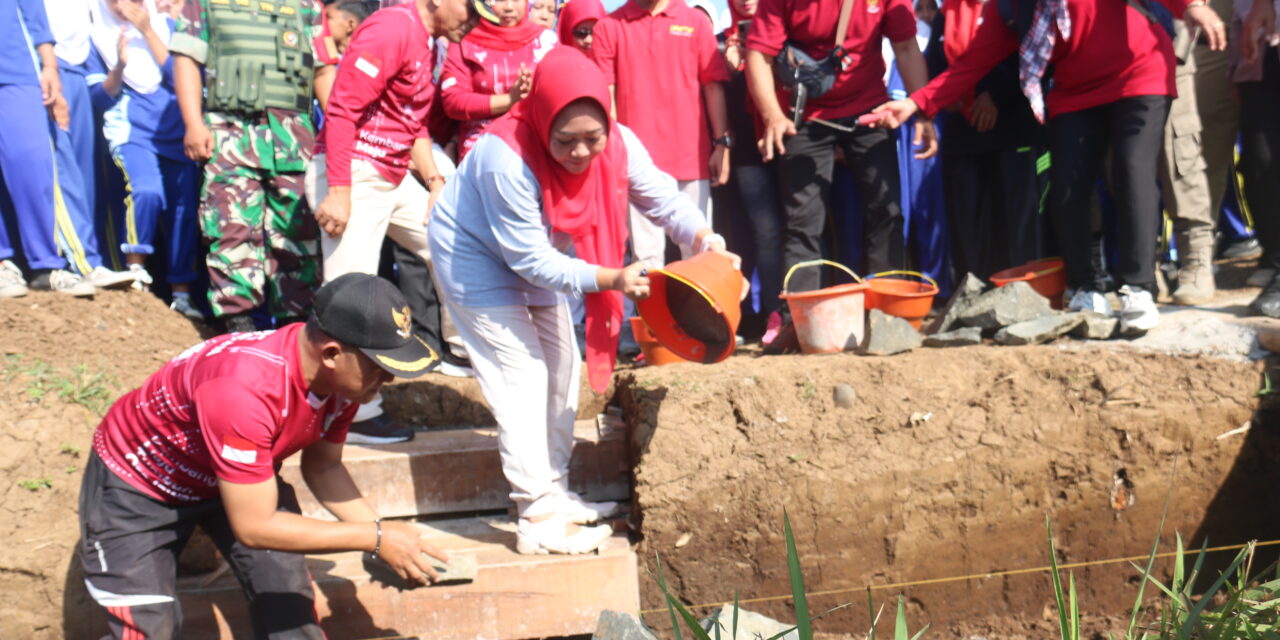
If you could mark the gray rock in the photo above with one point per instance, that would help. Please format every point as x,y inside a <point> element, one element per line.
<point>970,287</point>
<point>1003,306</point>
<point>1038,330</point>
<point>613,625</point>
<point>887,335</point>
<point>751,625</point>
<point>1096,326</point>
<point>461,568</point>
<point>962,337</point>
<point>844,395</point>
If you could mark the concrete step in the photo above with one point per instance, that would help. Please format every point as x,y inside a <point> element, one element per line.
<point>460,471</point>
<point>513,596</point>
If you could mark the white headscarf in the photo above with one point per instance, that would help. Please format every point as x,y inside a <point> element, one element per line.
<point>141,73</point>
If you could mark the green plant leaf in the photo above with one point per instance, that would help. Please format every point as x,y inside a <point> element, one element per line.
<point>900,623</point>
<point>1064,627</point>
<point>803,627</point>
<point>662,584</point>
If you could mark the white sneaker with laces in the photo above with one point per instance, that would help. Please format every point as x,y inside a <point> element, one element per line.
<point>556,534</point>
<point>12,284</point>
<point>104,278</point>
<point>63,281</point>
<point>182,304</point>
<point>141,279</point>
<point>579,511</point>
<point>1138,312</point>
<point>1089,300</point>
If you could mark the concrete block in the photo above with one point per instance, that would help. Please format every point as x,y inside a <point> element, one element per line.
<point>1039,330</point>
<point>613,625</point>
<point>844,395</point>
<point>962,337</point>
<point>1003,306</point>
<point>887,335</point>
<point>751,625</point>
<point>1096,326</point>
<point>970,287</point>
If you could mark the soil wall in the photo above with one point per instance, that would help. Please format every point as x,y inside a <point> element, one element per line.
<point>946,464</point>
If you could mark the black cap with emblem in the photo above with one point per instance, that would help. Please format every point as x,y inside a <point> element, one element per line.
<point>370,314</point>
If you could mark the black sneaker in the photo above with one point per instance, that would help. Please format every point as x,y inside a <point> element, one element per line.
<point>238,323</point>
<point>1268,302</point>
<point>1249,248</point>
<point>379,430</point>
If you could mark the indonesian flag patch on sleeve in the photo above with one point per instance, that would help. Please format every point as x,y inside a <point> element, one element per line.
<point>368,64</point>
<point>239,450</point>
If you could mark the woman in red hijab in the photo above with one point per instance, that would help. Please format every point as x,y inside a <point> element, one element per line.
<point>490,70</point>
<point>577,19</point>
<point>554,175</point>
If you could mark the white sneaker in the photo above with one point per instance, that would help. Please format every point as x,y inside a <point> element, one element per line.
<point>104,278</point>
<point>12,284</point>
<point>63,281</point>
<point>556,534</point>
<point>1089,300</point>
<point>1138,312</point>
<point>182,304</point>
<point>141,279</point>
<point>1260,277</point>
<point>572,507</point>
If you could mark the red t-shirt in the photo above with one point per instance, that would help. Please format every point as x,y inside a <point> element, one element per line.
<point>381,96</point>
<point>473,73</point>
<point>811,25</point>
<point>1114,52</point>
<point>658,64</point>
<point>230,408</point>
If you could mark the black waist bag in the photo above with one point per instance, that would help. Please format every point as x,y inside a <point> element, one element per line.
<point>795,67</point>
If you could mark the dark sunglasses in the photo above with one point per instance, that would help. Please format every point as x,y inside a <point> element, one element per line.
<point>582,33</point>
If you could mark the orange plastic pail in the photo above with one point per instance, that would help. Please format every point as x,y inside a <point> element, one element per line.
<point>1045,275</point>
<point>692,308</point>
<point>910,300</point>
<point>827,320</point>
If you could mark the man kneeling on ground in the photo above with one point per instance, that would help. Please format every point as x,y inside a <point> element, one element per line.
<point>201,441</point>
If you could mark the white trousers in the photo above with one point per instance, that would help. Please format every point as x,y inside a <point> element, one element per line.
<point>526,360</point>
<point>649,242</point>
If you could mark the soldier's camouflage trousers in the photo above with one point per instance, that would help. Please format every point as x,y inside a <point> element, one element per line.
<point>264,243</point>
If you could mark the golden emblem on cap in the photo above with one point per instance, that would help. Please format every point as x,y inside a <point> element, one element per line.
<point>403,320</point>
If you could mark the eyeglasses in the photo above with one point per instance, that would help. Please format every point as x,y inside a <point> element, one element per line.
<point>582,33</point>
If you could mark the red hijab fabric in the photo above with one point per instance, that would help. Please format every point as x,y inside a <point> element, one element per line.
<point>573,14</point>
<point>590,206</point>
<point>496,38</point>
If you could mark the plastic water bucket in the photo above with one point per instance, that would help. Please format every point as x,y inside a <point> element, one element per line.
<point>1045,275</point>
<point>910,300</point>
<point>692,308</point>
<point>654,353</point>
<point>827,320</point>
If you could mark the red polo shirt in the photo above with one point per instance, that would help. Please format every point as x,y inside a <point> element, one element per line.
<point>658,64</point>
<point>1113,52</point>
<point>381,96</point>
<point>811,25</point>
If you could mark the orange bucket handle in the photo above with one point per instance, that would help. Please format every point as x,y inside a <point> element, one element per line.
<point>906,273</point>
<point>816,263</point>
<point>1054,268</point>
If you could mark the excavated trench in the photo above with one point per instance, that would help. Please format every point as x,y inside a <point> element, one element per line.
<point>945,465</point>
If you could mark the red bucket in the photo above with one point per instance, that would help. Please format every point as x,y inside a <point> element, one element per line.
<point>827,320</point>
<point>910,300</point>
<point>1045,275</point>
<point>654,353</point>
<point>692,308</point>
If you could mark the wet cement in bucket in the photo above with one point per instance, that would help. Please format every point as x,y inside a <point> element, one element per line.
<point>698,318</point>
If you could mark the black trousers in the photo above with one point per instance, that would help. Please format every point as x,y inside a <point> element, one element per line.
<point>804,180</point>
<point>129,547</point>
<point>419,291</point>
<point>993,207</point>
<point>757,184</point>
<point>1260,153</point>
<point>1132,129</point>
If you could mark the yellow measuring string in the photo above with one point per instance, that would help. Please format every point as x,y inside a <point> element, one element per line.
<point>975,576</point>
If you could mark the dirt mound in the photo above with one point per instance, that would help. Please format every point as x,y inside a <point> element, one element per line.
<point>945,465</point>
<point>63,361</point>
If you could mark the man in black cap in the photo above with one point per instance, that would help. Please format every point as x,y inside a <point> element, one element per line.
<point>199,444</point>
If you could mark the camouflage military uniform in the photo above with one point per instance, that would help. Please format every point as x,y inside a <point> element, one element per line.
<point>263,239</point>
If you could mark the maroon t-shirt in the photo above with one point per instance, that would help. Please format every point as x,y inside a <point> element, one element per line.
<point>811,25</point>
<point>230,408</point>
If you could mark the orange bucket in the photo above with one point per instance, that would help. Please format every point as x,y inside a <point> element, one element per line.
<point>827,320</point>
<point>692,308</point>
<point>1045,275</point>
<point>906,299</point>
<point>654,353</point>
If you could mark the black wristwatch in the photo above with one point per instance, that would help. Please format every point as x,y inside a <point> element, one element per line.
<point>726,140</point>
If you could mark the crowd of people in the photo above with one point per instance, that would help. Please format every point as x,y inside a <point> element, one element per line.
<point>516,166</point>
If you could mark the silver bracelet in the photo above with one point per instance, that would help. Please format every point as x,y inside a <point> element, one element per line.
<point>377,546</point>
